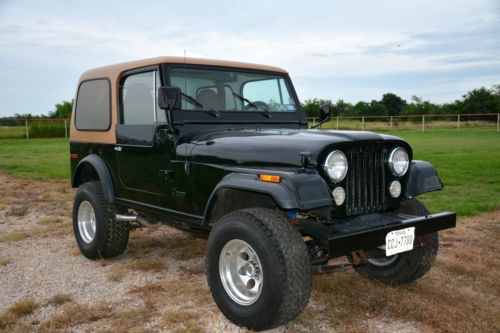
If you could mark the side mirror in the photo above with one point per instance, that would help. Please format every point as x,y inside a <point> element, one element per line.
<point>324,112</point>
<point>169,98</point>
<point>324,115</point>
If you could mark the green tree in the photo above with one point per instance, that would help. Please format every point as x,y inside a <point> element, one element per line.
<point>377,108</point>
<point>393,103</point>
<point>419,106</point>
<point>481,100</point>
<point>311,106</point>
<point>63,110</point>
<point>360,109</point>
<point>342,108</point>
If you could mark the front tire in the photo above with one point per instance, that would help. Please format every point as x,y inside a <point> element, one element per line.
<point>97,232</point>
<point>258,269</point>
<point>404,267</point>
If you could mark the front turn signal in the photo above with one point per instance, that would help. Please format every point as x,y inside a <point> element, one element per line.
<point>270,178</point>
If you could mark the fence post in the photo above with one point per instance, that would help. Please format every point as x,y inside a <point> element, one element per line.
<point>26,126</point>
<point>337,123</point>
<point>423,123</point>
<point>498,122</point>
<point>362,123</point>
<point>391,122</point>
<point>458,123</point>
<point>65,129</point>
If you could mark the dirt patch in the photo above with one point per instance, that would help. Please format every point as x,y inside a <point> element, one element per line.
<point>158,284</point>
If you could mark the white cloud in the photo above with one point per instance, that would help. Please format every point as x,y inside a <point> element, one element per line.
<point>341,49</point>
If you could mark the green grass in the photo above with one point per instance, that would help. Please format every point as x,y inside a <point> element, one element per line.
<point>12,132</point>
<point>35,158</point>
<point>467,161</point>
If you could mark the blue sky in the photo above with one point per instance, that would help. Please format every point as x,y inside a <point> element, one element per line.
<point>350,50</point>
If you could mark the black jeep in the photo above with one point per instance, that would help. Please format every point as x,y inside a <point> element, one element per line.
<point>222,149</point>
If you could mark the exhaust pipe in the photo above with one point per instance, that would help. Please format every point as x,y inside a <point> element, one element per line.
<point>126,218</point>
<point>133,218</point>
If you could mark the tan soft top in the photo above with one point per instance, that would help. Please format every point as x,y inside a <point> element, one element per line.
<point>114,71</point>
<point>114,74</point>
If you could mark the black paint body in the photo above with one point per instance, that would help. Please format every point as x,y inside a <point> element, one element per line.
<point>178,172</point>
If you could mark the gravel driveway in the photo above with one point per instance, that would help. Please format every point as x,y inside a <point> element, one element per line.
<point>159,285</point>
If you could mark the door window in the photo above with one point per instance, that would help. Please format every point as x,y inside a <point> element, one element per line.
<point>139,99</point>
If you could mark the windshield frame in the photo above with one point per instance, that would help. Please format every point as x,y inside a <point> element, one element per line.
<point>279,75</point>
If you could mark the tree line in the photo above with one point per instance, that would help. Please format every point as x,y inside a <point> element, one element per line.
<point>481,100</point>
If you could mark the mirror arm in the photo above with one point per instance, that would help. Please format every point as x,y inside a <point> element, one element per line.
<point>321,123</point>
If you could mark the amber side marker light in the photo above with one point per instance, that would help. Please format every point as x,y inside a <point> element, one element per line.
<point>270,178</point>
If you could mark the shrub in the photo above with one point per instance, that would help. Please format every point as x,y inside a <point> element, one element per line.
<point>46,131</point>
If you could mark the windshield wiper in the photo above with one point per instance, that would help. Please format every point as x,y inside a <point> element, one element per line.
<point>265,113</point>
<point>211,111</point>
<point>245,100</point>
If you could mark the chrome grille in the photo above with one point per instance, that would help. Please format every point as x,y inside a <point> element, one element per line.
<point>365,181</point>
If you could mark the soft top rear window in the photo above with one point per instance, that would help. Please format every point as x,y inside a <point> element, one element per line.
<point>93,106</point>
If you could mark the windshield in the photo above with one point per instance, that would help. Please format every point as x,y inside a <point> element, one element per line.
<point>232,90</point>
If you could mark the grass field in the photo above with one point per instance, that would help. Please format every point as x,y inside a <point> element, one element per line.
<point>468,163</point>
<point>35,158</point>
<point>12,132</point>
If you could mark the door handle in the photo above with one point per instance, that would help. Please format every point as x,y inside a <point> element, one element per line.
<point>118,148</point>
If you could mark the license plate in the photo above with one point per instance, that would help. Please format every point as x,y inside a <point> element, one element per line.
<point>398,241</point>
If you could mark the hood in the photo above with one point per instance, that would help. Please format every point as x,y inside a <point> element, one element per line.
<point>272,147</point>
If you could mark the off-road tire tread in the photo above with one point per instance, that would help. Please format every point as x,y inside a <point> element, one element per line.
<point>295,267</point>
<point>117,232</point>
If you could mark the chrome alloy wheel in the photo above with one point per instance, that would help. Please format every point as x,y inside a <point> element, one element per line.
<point>86,221</point>
<point>241,272</point>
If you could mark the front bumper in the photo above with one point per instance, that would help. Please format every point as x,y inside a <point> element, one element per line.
<point>368,231</point>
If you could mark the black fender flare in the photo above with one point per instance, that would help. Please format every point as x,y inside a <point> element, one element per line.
<point>422,178</point>
<point>300,191</point>
<point>100,167</point>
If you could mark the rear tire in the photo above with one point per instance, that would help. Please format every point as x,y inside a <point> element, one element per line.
<point>277,258</point>
<point>407,266</point>
<point>97,232</point>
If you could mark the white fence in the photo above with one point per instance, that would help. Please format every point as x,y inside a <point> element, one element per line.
<point>34,128</point>
<point>51,128</point>
<point>421,122</point>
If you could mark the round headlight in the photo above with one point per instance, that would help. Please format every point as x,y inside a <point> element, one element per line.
<point>399,161</point>
<point>336,165</point>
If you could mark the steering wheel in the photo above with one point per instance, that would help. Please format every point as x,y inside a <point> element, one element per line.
<point>259,104</point>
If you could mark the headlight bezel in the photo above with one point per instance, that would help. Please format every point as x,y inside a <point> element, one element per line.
<point>326,166</point>
<point>390,162</point>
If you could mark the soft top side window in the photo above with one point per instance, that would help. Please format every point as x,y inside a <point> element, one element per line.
<point>93,106</point>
